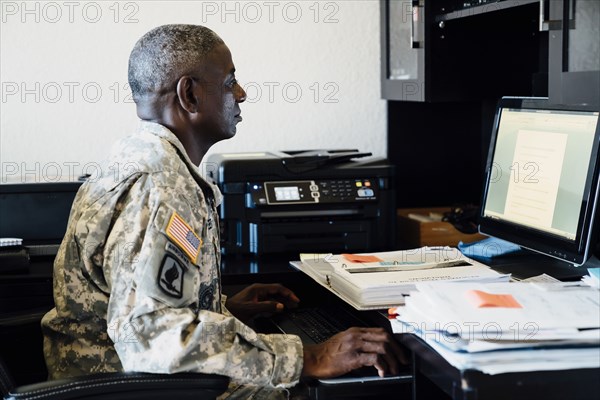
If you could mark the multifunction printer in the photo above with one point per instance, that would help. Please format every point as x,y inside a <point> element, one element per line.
<point>331,201</point>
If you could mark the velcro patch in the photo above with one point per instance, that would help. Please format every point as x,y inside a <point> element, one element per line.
<point>183,235</point>
<point>170,277</point>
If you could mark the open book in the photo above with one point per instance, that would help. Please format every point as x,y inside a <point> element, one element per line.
<point>382,280</point>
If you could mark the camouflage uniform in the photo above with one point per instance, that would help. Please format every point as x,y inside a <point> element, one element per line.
<point>136,279</point>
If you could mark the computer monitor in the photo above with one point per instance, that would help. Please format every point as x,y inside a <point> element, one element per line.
<point>37,213</point>
<point>541,187</point>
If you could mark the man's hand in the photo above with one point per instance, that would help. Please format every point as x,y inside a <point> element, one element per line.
<point>261,298</point>
<point>352,349</point>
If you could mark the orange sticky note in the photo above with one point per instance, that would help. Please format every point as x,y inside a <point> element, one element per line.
<point>392,313</point>
<point>361,259</point>
<point>482,299</point>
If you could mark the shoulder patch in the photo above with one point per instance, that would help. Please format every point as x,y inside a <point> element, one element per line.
<point>170,277</point>
<point>183,235</point>
<point>180,255</point>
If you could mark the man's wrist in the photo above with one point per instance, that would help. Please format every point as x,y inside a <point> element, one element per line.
<point>308,362</point>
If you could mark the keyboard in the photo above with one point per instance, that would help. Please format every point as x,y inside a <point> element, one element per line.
<point>317,324</point>
<point>321,323</point>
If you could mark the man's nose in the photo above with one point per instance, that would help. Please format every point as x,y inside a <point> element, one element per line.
<point>240,94</point>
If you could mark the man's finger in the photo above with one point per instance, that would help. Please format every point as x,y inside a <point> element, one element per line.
<point>383,368</point>
<point>385,363</point>
<point>373,347</point>
<point>268,307</point>
<point>382,343</point>
<point>278,289</point>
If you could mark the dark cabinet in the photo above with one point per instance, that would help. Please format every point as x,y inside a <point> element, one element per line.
<point>403,50</point>
<point>436,51</point>
<point>446,63</point>
<point>574,51</point>
<point>449,50</point>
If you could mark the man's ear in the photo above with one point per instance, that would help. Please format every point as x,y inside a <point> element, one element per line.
<point>188,95</point>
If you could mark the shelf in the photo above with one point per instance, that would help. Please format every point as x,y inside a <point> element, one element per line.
<point>483,9</point>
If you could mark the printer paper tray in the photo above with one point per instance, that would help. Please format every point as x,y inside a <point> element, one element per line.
<point>312,236</point>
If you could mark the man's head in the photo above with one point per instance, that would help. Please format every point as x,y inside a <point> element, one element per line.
<point>183,77</point>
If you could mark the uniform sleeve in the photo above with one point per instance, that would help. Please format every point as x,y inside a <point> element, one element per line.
<point>156,317</point>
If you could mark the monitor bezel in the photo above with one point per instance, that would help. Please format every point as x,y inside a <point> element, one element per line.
<point>575,252</point>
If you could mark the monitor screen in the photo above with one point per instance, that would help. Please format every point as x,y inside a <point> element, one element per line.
<point>541,187</point>
<point>36,212</point>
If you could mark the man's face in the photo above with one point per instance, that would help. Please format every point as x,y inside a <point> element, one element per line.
<point>221,96</point>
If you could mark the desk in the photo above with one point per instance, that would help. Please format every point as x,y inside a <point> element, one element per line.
<point>434,378</point>
<point>27,290</point>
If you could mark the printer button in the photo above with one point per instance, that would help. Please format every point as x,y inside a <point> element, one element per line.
<point>316,195</point>
<point>314,188</point>
<point>365,192</point>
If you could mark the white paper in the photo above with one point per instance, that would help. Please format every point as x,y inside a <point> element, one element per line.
<point>388,286</point>
<point>540,310</point>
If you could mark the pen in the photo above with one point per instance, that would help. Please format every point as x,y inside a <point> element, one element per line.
<point>569,285</point>
<point>410,267</point>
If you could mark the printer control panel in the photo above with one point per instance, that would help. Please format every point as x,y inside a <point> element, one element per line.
<point>313,191</point>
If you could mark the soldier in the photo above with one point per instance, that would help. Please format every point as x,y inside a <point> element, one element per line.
<point>136,279</point>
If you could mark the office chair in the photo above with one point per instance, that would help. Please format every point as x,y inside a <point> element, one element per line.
<point>125,385</point>
<point>118,386</point>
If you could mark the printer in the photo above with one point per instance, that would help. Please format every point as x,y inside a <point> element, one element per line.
<point>304,201</point>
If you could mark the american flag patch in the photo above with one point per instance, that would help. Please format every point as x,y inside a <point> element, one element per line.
<point>181,233</point>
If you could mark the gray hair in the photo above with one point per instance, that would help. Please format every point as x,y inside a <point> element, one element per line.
<point>166,53</point>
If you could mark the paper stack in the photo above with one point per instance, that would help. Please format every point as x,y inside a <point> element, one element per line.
<point>593,278</point>
<point>506,327</point>
<point>382,280</point>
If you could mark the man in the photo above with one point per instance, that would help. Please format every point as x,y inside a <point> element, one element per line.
<point>136,280</point>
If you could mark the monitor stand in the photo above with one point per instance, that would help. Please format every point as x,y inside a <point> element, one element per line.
<point>526,264</point>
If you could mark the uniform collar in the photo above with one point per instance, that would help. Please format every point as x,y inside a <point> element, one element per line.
<point>163,132</point>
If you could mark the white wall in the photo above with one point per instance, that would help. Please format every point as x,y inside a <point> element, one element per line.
<point>64,77</point>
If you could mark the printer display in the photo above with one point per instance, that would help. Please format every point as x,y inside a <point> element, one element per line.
<point>304,201</point>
